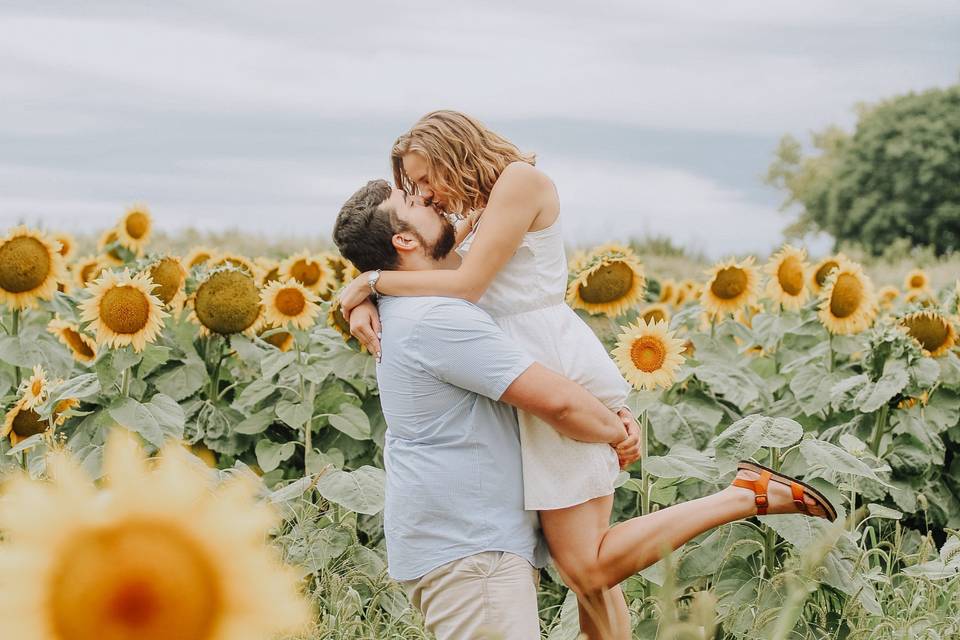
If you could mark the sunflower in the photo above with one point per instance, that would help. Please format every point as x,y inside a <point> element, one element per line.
<point>191,563</point>
<point>686,290</point>
<point>917,279</point>
<point>656,312</point>
<point>282,340</point>
<point>134,229</point>
<point>847,302</point>
<point>234,260</point>
<point>123,310</point>
<point>731,285</point>
<point>228,302</point>
<point>310,271</point>
<point>337,322</point>
<point>611,283</point>
<point>33,390</point>
<point>111,251</point>
<point>269,270</point>
<point>21,422</point>
<point>648,355</point>
<point>887,296</point>
<point>86,270</point>
<point>577,262</point>
<point>745,314</point>
<point>934,332</point>
<point>920,296</point>
<point>82,346</point>
<point>198,256</point>
<point>668,291</point>
<point>787,277</point>
<point>30,268</point>
<point>821,271</point>
<point>169,276</point>
<point>67,244</point>
<point>209,457</point>
<point>289,302</point>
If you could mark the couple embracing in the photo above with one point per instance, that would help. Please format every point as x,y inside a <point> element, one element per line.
<point>506,417</point>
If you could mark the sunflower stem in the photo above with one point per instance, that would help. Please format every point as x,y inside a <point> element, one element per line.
<point>644,450</point>
<point>125,383</point>
<point>713,326</point>
<point>830,347</point>
<point>879,426</point>
<point>15,331</point>
<point>308,425</point>
<point>769,535</point>
<point>215,378</point>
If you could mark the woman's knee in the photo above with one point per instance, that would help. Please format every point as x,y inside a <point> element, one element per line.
<point>583,576</point>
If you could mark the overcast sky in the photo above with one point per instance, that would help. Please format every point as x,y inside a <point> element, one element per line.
<point>652,117</point>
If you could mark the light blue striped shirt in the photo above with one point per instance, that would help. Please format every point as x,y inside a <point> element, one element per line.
<point>452,454</point>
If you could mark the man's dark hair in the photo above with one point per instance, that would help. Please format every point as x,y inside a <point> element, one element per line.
<point>364,230</point>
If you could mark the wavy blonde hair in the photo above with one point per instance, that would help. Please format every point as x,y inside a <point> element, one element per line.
<point>464,158</point>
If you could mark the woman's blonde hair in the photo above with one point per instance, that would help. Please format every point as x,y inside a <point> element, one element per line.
<point>464,158</point>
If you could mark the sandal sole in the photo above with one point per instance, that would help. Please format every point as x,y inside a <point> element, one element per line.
<point>824,503</point>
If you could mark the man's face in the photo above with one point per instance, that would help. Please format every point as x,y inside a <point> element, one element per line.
<point>431,227</point>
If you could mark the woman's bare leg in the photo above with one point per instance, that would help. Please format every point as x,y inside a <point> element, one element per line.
<point>592,563</point>
<point>573,541</point>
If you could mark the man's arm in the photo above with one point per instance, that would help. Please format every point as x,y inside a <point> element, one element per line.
<point>564,405</point>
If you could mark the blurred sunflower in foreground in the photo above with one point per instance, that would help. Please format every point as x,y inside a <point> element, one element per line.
<point>190,563</point>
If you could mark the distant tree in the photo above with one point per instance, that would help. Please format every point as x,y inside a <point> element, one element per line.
<point>897,176</point>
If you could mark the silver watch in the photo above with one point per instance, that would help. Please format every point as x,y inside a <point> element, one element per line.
<point>372,281</point>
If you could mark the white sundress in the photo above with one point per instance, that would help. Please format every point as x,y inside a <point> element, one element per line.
<point>526,299</point>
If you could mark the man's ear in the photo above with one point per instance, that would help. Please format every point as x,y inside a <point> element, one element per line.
<point>405,242</point>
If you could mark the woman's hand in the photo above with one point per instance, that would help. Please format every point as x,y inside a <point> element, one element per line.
<point>354,293</point>
<point>628,450</point>
<point>365,327</point>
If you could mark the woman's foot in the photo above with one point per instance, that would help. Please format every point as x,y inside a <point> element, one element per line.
<point>780,497</point>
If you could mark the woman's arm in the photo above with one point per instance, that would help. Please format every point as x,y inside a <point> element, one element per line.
<point>513,206</point>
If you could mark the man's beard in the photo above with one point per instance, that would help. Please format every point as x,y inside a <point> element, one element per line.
<point>444,244</point>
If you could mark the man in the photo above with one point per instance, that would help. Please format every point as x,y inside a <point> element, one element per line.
<point>457,535</point>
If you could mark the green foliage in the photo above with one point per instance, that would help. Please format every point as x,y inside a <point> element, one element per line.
<point>897,177</point>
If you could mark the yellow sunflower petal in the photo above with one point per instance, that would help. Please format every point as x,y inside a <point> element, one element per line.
<point>82,346</point>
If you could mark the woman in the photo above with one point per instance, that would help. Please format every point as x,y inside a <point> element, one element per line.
<point>514,267</point>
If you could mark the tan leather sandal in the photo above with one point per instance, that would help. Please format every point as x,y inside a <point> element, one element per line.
<point>797,488</point>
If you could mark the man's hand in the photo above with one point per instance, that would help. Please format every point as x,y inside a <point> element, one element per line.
<point>628,449</point>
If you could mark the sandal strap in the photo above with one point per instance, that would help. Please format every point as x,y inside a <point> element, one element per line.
<point>759,488</point>
<point>798,493</point>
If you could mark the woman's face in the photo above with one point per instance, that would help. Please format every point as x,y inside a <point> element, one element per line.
<point>417,169</point>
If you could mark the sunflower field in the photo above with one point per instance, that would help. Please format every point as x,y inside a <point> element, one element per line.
<point>166,415</point>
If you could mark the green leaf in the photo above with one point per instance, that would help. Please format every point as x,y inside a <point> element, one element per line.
<point>256,423</point>
<point>736,384</point>
<point>168,414</point>
<point>942,410</point>
<point>275,362</point>
<point>925,372</point>
<point>80,387</point>
<point>894,379</point>
<point>351,421</point>
<point>361,490</point>
<point>253,393</point>
<point>822,455</point>
<point>880,511</point>
<point>138,418</point>
<point>153,356</point>
<point>811,386</point>
<point>182,381</point>
<point>294,414</point>
<point>682,462</point>
<point>689,424</point>
<point>744,437</point>
<point>270,454</point>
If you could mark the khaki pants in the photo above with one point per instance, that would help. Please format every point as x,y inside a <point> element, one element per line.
<point>489,595</point>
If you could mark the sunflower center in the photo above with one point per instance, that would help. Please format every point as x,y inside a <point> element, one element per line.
<point>847,296</point>
<point>290,302</point>
<point>200,258</point>
<point>24,264</point>
<point>140,580</point>
<point>608,283</point>
<point>167,276</point>
<point>730,283</point>
<point>137,224</point>
<point>282,340</point>
<point>824,271</point>
<point>306,272</point>
<point>124,309</point>
<point>654,315</point>
<point>37,387</point>
<point>917,282</point>
<point>28,423</point>
<point>929,331</point>
<point>790,275</point>
<point>77,344</point>
<point>648,354</point>
<point>228,302</point>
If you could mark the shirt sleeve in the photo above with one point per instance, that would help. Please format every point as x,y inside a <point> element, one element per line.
<point>461,345</point>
